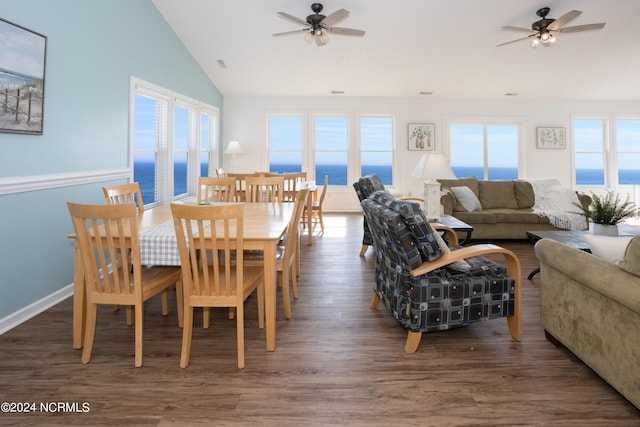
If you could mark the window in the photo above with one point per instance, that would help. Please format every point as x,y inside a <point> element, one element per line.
<point>628,151</point>
<point>376,147</point>
<point>285,144</point>
<point>170,146</point>
<point>333,150</point>
<point>588,149</point>
<point>331,140</point>
<point>485,150</point>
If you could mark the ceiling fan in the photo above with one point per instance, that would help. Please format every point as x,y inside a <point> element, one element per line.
<point>317,26</point>
<point>544,28</point>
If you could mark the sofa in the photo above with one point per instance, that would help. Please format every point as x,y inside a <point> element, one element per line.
<point>592,307</point>
<point>429,287</point>
<point>506,207</point>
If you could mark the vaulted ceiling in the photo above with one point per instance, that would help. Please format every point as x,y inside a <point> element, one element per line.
<point>445,47</point>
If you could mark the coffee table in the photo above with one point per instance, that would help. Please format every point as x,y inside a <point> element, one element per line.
<point>457,225</point>
<point>574,238</point>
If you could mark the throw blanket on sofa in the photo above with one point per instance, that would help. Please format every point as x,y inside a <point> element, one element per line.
<point>557,203</point>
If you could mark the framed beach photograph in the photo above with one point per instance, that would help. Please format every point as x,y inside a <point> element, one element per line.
<point>551,138</point>
<point>422,137</point>
<point>22,71</point>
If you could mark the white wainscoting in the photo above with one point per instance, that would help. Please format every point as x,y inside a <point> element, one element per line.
<point>21,184</point>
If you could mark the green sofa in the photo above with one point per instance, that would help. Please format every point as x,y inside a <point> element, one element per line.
<point>506,207</point>
<point>592,307</point>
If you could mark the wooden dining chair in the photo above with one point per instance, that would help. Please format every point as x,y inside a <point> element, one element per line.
<point>291,184</point>
<point>216,189</point>
<point>221,172</point>
<point>215,281</point>
<point>124,193</point>
<point>286,253</point>
<point>265,189</point>
<point>110,249</point>
<point>316,208</point>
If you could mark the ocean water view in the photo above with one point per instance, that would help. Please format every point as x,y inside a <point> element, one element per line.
<point>144,173</point>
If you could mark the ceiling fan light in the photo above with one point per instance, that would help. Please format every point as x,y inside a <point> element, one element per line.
<point>535,42</point>
<point>308,37</point>
<point>324,38</point>
<point>544,37</point>
<point>553,40</point>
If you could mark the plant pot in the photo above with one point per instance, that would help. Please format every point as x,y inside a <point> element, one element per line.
<point>605,229</point>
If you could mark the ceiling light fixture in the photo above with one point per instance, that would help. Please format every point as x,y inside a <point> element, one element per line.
<point>545,38</point>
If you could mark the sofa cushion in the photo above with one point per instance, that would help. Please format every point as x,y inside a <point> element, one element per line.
<point>467,198</point>
<point>497,194</point>
<point>482,217</point>
<point>471,182</point>
<point>520,216</point>
<point>525,197</point>
<point>610,248</point>
<point>631,261</point>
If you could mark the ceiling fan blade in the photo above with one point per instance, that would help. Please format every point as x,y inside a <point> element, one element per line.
<point>509,28</point>
<point>516,40</point>
<point>564,19</point>
<point>286,33</point>
<point>578,28</point>
<point>346,31</point>
<point>292,18</point>
<point>337,16</point>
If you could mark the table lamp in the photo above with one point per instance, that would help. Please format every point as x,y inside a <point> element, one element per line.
<point>429,168</point>
<point>233,148</point>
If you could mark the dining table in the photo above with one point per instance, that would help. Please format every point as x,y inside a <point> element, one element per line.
<point>264,226</point>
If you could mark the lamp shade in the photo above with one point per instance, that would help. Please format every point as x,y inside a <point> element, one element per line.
<point>433,166</point>
<point>233,148</point>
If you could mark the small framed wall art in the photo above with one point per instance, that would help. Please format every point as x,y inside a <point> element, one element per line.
<point>554,138</point>
<point>422,137</point>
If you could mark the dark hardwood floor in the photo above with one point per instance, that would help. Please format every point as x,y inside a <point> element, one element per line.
<point>337,362</point>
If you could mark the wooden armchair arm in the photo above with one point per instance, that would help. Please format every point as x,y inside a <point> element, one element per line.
<point>449,234</point>
<point>513,270</point>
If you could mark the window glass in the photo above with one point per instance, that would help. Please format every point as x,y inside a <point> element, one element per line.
<point>628,151</point>
<point>181,146</point>
<point>331,145</point>
<point>145,140</point>
<point>588,146</point>
<point>376,147</point>
<point>285,144</point>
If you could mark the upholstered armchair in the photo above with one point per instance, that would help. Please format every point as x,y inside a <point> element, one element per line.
<point>428,287</point>
<point>365,186</point>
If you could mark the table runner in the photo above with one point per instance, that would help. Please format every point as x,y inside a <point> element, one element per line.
<point>159,245</point>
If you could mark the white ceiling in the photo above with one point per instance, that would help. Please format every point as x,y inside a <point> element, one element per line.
<point>447,47</point>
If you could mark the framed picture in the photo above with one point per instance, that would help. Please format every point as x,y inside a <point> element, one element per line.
<point>22,70</point>
<point>422,137</point>
<point>551,138</point>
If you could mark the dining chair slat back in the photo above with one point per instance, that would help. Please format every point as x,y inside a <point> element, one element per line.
<point>124,193</point>
<point>264,189</point>
<point>216,189</point>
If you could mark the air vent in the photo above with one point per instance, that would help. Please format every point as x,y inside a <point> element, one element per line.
<point>221,63</point>
<point>337,92</point>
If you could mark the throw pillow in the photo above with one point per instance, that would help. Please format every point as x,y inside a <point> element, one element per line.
<point>609,248</point>
<point>467,198</point>
<point>461,265</point>
<point>631,262</point>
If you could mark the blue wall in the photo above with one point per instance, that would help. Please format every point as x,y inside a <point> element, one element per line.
<point>93,48</point>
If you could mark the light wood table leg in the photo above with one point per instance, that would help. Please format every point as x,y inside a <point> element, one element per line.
<point>270,293</point>
<point>310,217</point>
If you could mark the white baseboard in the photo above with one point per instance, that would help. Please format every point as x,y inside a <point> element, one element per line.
<point>26,313</point>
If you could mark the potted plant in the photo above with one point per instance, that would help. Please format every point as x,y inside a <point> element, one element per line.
<point>605,212</point>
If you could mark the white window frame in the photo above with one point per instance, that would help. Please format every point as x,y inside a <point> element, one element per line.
<point>609,161</point>
<point>164,181</point>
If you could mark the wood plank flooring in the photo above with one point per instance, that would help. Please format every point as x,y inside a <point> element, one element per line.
<point>337,362</point>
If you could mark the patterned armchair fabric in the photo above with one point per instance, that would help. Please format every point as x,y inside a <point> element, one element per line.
<point>365,186</point>
<point>440,299</point>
